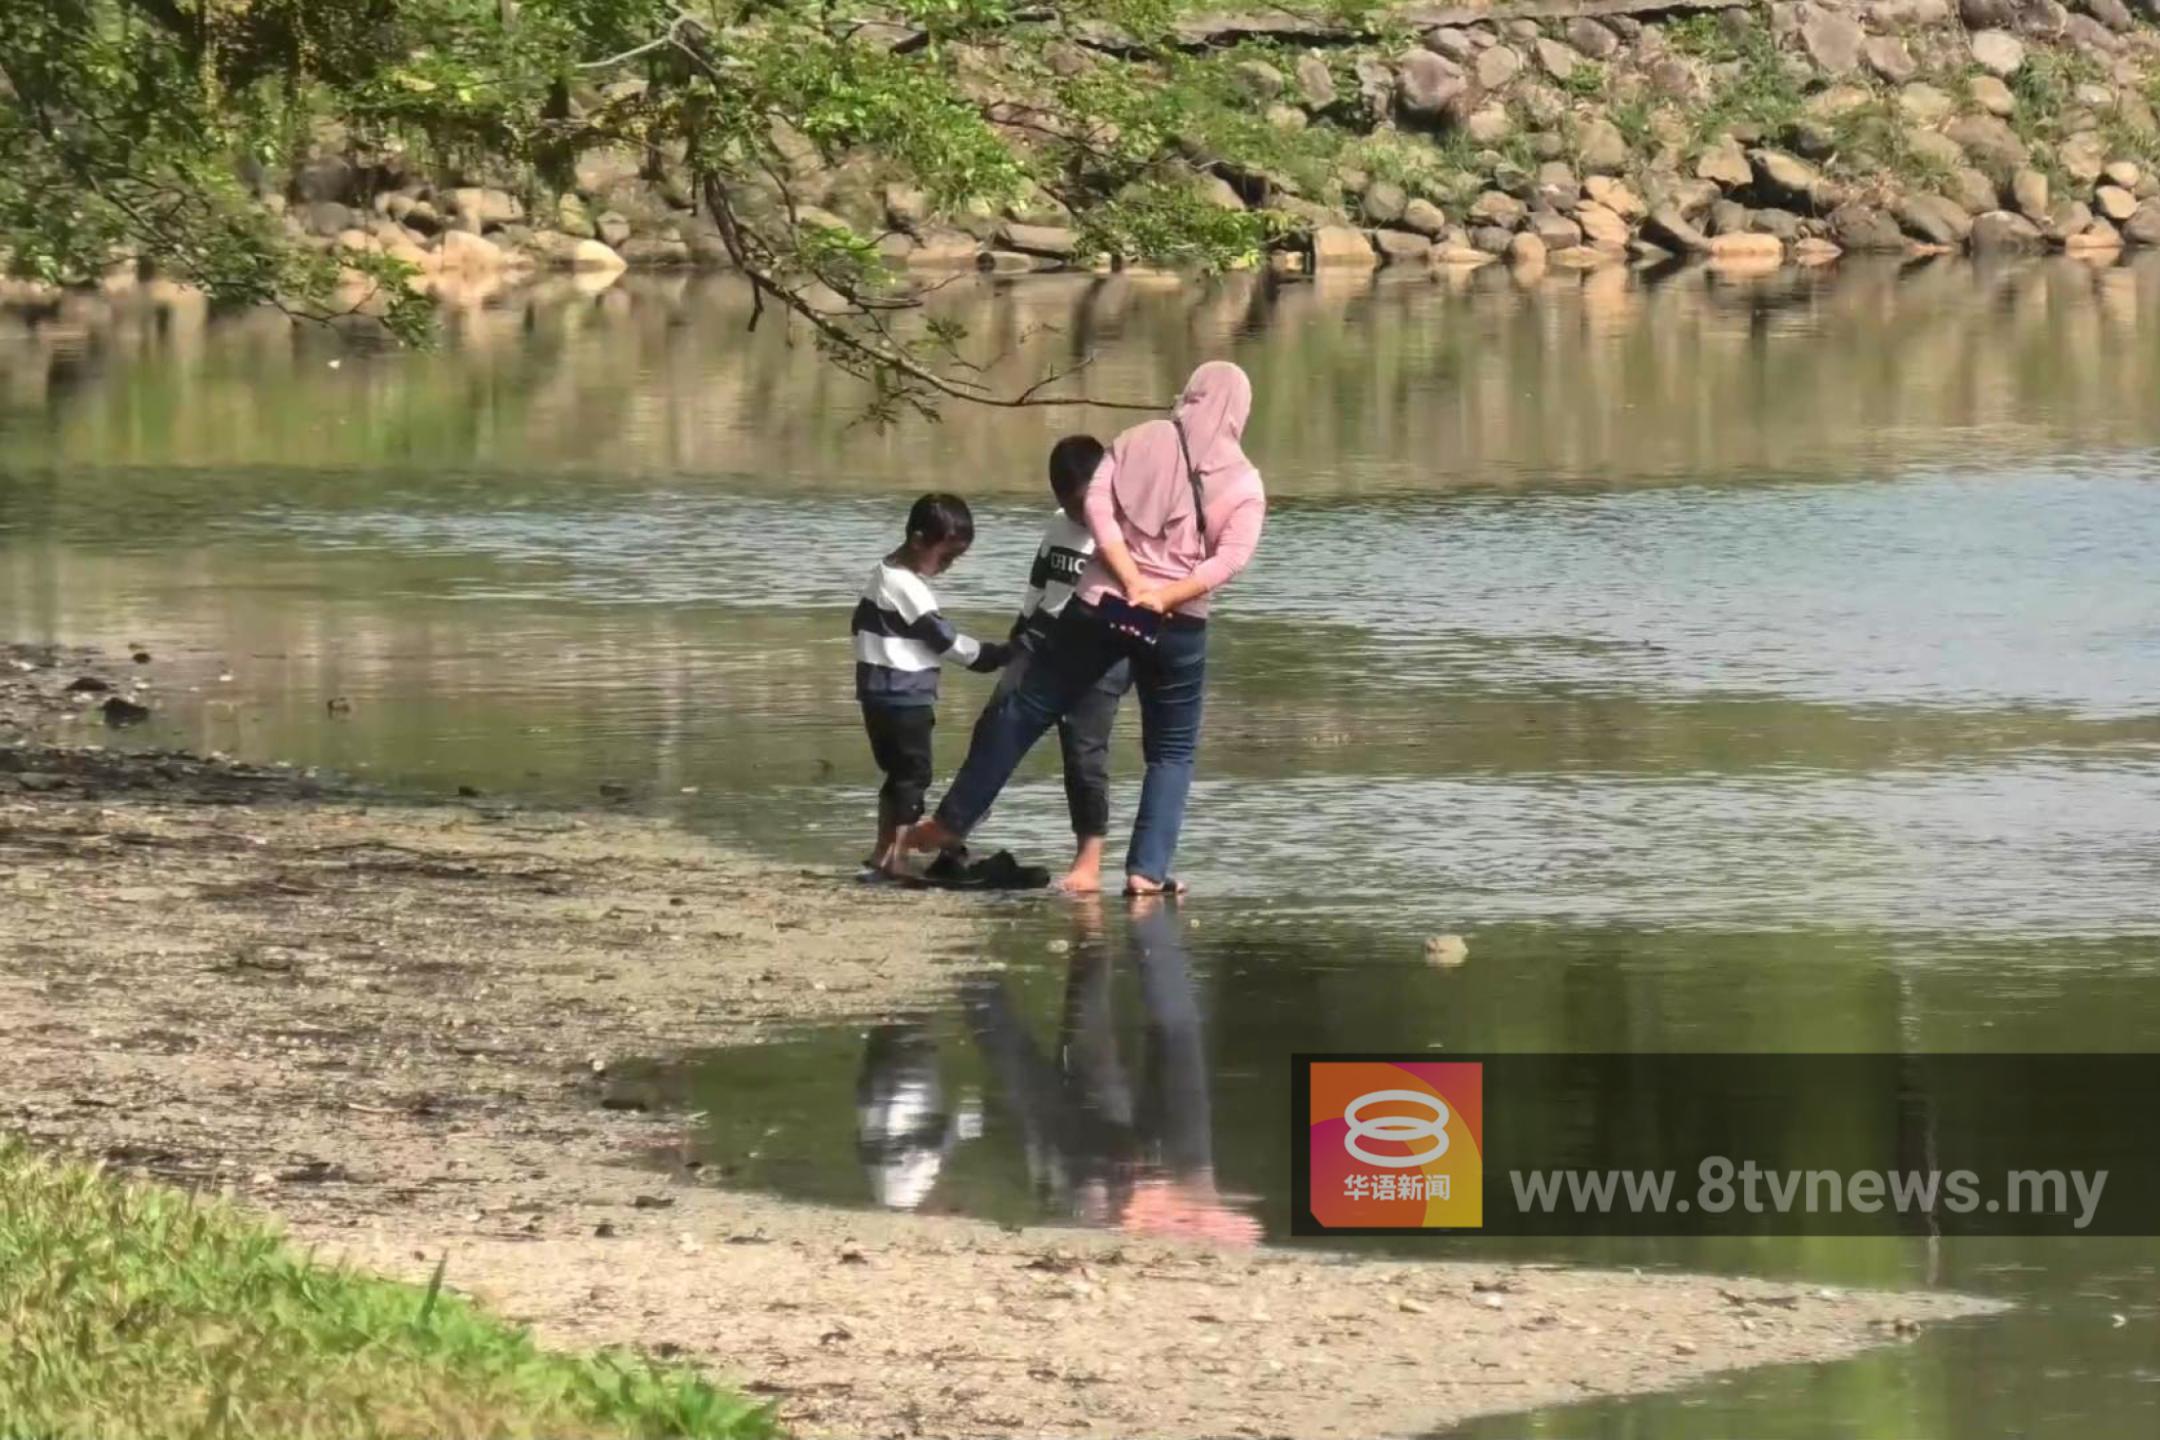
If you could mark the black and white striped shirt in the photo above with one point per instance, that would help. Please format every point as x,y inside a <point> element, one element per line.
<point>901,638</point>
<point>1059,559</point>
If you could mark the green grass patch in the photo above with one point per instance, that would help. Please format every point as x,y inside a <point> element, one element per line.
<point>140,1311</point>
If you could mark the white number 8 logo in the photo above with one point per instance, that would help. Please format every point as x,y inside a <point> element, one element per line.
<point>1400,1128</point>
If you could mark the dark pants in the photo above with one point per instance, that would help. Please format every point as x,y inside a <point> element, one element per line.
<point>1171,676</point>
<point>1083,739</point>
<point>900,743</point>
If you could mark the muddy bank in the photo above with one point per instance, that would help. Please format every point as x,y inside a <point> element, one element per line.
<point>382,1024</point>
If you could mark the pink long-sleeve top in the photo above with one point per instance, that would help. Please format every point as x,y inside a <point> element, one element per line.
<point>1236,506</point>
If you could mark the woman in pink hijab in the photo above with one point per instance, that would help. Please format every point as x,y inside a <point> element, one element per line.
<point>1176,511</point>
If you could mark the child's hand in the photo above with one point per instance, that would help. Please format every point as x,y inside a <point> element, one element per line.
<point>994,656</point>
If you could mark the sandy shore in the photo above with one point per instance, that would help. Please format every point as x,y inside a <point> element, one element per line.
<point>380,1024</point>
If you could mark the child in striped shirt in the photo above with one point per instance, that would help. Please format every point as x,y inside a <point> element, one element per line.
<point>900,641</point>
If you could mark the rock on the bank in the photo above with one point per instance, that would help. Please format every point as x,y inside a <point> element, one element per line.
<point>1400,247</point>
<point>2143,228</point>
<point>1431,88</point>
<point>1865,228</point>
<point>1051,241</point>
<point>2000,232</point>
<point>1425,218</point>
<point>1832,39</point>
<point>1934,219</point>
<point>471,254</point>
<point>594,257</point>
<point>1998,52</point>
<point>1338,247</point>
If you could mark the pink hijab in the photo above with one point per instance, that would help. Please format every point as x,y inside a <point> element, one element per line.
<point>1149,481</point>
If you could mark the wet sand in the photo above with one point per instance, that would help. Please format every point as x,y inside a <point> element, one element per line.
<point>392,1027</point>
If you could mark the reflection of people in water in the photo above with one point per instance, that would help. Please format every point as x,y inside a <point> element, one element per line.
<point>1099,1150</point>
<point>902,1131</point>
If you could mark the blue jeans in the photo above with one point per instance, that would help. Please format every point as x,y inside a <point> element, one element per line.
<point>1170,674</point>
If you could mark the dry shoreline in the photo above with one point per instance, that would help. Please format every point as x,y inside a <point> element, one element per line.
<point>378,1023</point>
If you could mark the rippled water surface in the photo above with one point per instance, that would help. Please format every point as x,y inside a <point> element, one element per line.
<point>1769,665</point>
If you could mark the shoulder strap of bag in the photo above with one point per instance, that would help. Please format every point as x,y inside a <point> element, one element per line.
<point>1192,474</point>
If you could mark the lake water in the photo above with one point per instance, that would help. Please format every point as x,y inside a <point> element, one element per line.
<point>1737,665</point>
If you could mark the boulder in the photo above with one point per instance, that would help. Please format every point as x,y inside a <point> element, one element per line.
<point>1991,145</point>
<point>1400,247</point>
<point>1489,124</point>
<point>1425,218</point>
<point>2090,36</point>
<point>1838,101</point>
<point>1431,88</point>
<point>906,207</point>
<point>1384,202</point>
<point>1052,241</point>
<point>1526,252</point>
<point>611,227</point>
<point>1672,230</point>
<point>1729,217</point>
<point>329,218</point>
<point>1497,207</point>
<point>1982,14</point>
<point>2112,13</point>
<point>2029,189</point>
<point>1725,164</point>
<point>1315,82</point>
<point>2000,232</point>
<point>1338,247</point>
<point>573,218</point>
<point>1555,59</point>
<point>1491,239</point>
<point>1889,57</point>
<point>1937,149</point>
<point>1973,191</point>
<point>1924,104</point>
<point>2068,220</point>
<point>2143,228</point>
<point>1934,219</point>
<point>1814,250</point>
<point>1601,149</point>
<point>1464,255</point>
<point>326,179</point>
<point>422,218</point>
<point>1991,95</point>
<point>471,254</point>
<point>483,208</point>
<point>2123,173</point>
<point>2099,238</point>
<point>1556,230</point>
<point>1865,228</point>
<point>593,257</point>
<point>1616,196</point>
<point>1262,81</point>
<point>656,252</point>
<point>1832,39</point>
<point>943,250</point>
<point>1787,176</point>
<point>2083,156</point>
<point>1557,186</point>
<point>1998,52</point>
<point>1286,118</point>
<point>1377,84</point>
<point>2116,203</point>
<point>606,166</point>
<point>1456,43</point>
<point>1498,67</point>
<point>1601,226</point>
<point>1781,223</point>
<point>1592,38</point>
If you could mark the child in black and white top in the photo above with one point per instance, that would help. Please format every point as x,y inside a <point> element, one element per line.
<point>901,641</point>
<point>1083,731</point>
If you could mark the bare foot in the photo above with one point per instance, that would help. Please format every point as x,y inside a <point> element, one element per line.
<point>1080,880</point>
<point>1171,1210</point>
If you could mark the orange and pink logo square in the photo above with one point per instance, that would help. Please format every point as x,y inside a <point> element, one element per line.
<point>1397,1145</point>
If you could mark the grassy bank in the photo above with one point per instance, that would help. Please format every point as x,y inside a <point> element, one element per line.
<point>140,1311</point>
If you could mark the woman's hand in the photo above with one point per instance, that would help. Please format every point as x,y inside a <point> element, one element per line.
<point>1149,597</point>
